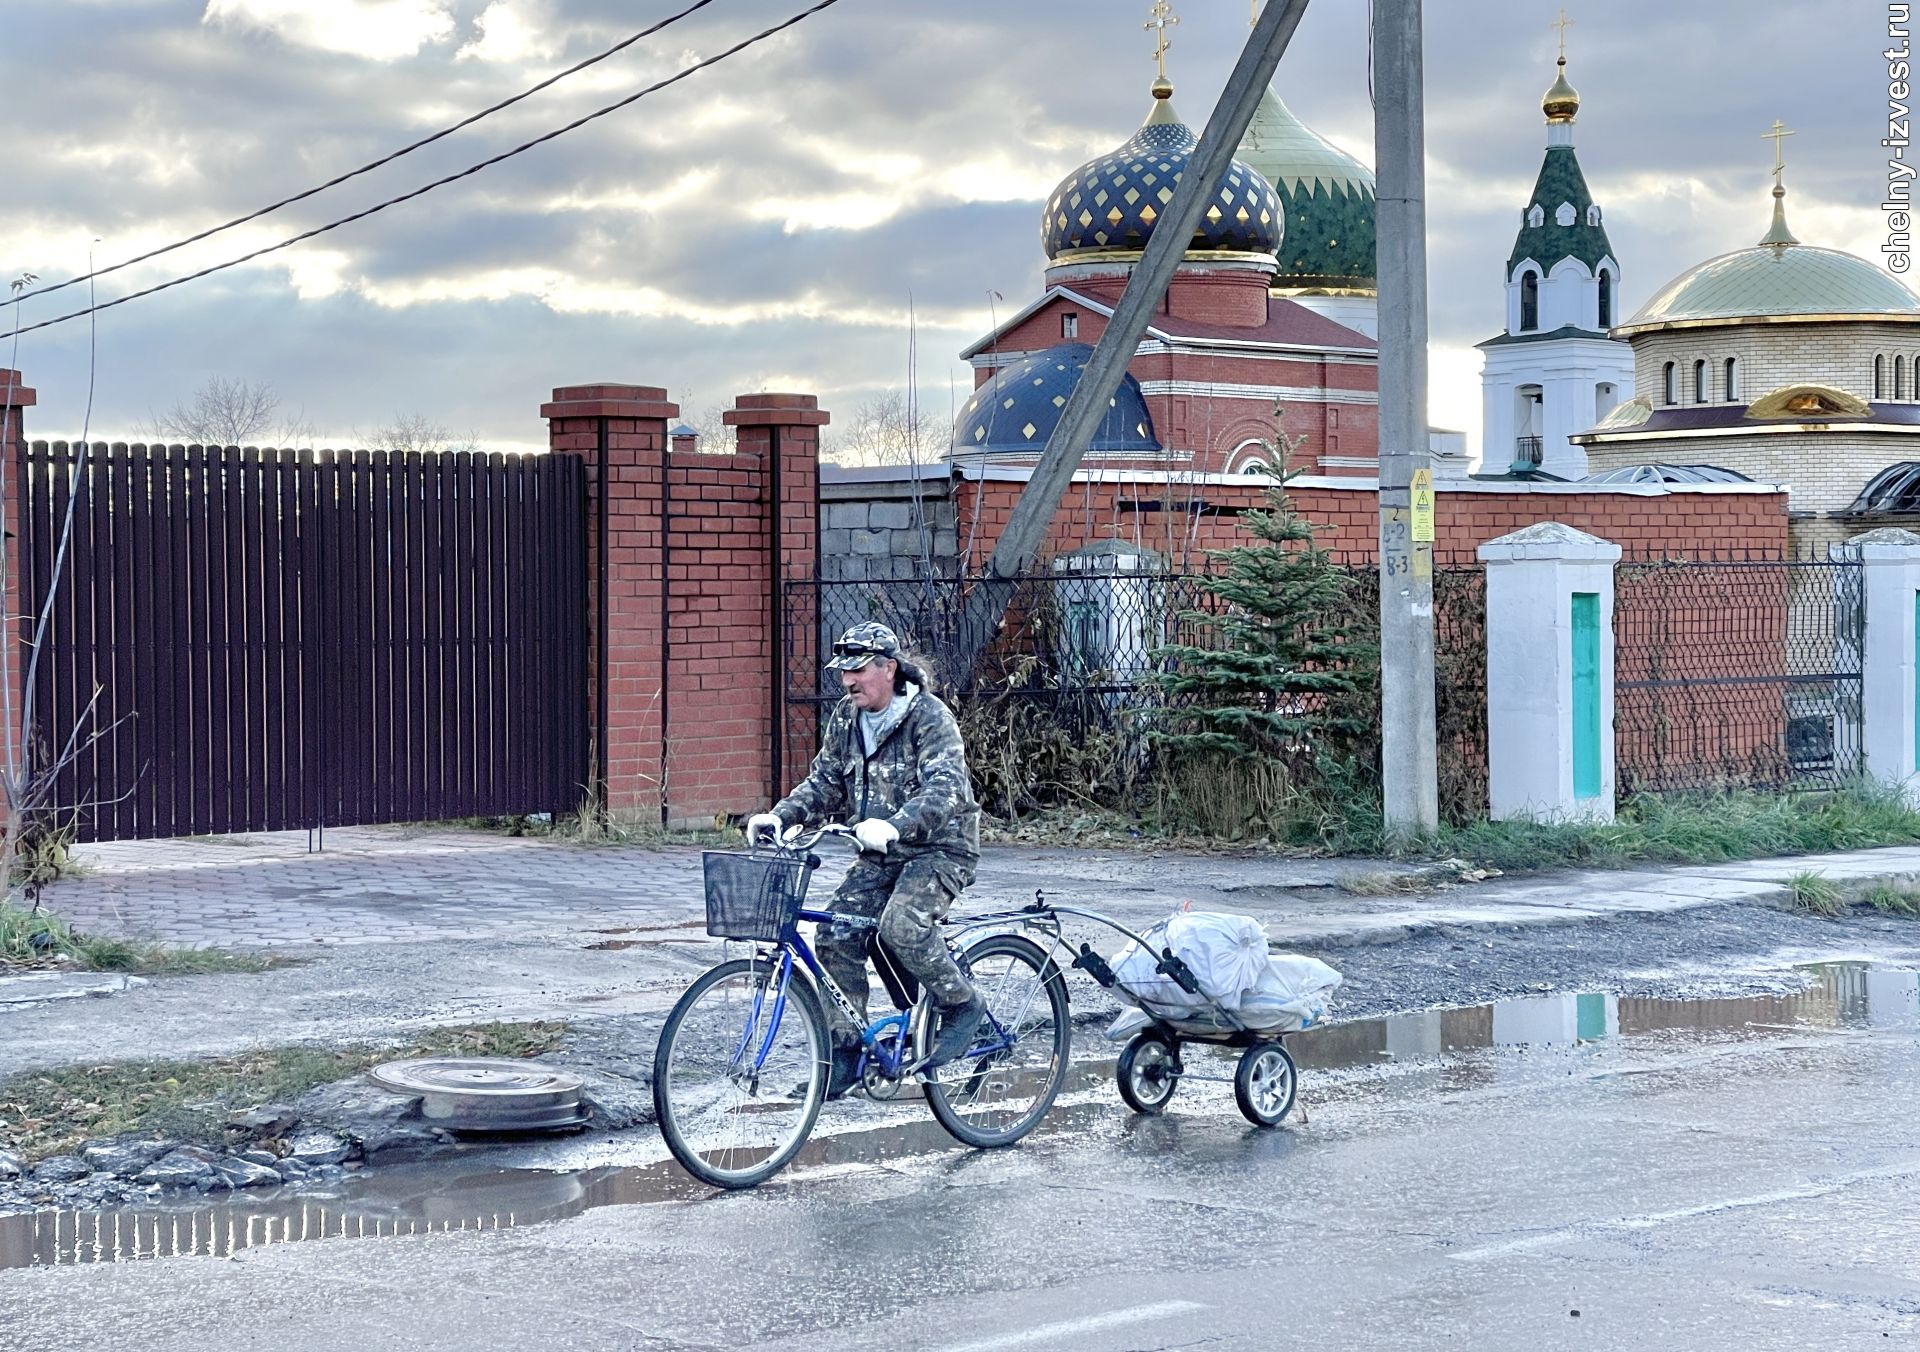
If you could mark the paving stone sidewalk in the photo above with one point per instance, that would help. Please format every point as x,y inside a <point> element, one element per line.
<point>374,885</point>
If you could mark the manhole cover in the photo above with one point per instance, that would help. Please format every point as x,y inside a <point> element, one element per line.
<point>487,1093</point>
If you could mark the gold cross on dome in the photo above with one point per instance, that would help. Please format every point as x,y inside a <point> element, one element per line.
<point>1563,23</point>
<point>1163,19</point>
<point>1779,133</point>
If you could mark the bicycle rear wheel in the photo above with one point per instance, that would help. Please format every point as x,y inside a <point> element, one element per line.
<point>738,1077</point>
<point>1000,1090</point>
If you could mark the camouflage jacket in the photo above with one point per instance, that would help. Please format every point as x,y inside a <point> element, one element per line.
<point>916,779</point>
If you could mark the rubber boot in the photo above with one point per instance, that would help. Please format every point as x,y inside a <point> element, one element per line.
<point>958,1024</point>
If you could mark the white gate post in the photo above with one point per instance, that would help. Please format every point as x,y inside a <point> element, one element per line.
<point>1550,754</point>
<point>1890,723</point>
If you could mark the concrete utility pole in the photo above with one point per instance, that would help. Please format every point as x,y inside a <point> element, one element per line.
<point>1409,773</point>
<point>1027,527</point>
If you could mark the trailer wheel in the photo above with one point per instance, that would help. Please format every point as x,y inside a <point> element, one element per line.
<point>1148,1073</point>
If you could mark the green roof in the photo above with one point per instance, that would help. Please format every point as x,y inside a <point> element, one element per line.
<point>1549,242</point>
<point>1770,280</point>
<point>1551,335</point>
<point>1328,194</point>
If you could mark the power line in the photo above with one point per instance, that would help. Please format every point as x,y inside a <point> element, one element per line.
<point>442,134</point>
<point>740,46</point>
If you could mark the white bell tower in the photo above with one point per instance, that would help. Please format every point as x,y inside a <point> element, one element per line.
<point>1554,371</point>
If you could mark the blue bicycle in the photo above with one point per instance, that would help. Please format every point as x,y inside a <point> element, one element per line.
<point>741,1069</point>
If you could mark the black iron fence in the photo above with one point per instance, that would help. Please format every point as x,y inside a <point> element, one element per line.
<point>1737,674</point>
<point>1071,666</point>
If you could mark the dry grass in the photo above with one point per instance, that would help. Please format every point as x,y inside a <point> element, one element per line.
<point>51,1112</point>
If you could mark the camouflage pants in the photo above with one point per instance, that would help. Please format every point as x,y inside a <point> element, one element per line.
<point>910,897</point>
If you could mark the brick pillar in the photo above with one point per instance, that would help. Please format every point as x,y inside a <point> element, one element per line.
<point>15,399</point>
<point>783,432</point>
<point>624,429</point>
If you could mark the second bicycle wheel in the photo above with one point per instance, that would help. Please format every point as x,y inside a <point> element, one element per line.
<point>999,1092</point>
<point>736,1089</point>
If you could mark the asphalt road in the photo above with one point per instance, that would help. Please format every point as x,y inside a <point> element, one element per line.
<point>1747,1187</point>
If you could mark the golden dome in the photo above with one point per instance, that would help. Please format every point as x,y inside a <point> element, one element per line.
<point>1561,102</point>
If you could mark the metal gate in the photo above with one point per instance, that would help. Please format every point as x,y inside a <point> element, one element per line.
<point>247,640</point>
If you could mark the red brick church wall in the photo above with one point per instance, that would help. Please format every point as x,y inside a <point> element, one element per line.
<point>1157,515</point>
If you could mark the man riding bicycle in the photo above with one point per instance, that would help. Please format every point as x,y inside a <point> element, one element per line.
<point>892,762</point>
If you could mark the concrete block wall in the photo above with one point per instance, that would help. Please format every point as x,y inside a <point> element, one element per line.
<point>888,524</point>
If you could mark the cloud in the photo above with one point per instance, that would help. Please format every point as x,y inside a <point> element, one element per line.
<point>511,31</point>
<point>379,30</point>
<point>768,219</point>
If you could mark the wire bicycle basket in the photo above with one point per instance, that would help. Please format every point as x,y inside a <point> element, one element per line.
<point>753,896</point>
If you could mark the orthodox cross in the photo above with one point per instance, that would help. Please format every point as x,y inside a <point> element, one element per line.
<point>1779,133</point>
<point>1563,23</point>
<point>1163,18</point>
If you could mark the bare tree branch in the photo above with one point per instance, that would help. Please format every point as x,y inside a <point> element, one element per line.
<point>230,412</point>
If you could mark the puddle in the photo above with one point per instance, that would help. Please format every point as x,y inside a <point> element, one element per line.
<point>453,1197</point>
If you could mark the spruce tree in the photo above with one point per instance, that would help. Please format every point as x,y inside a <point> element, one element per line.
<point>1273,679</point>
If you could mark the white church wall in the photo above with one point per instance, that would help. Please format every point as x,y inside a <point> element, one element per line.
<point>1770,356</point>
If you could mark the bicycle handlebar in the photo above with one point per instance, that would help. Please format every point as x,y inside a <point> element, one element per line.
<point>795,841</point>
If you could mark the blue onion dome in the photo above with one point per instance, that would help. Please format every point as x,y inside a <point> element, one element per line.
<point>1328,196</point>
<point>1015,412</point>
<point>1110,205</point>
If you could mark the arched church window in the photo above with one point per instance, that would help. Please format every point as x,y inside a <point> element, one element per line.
<point>1536,216</point>
<point>1667,392</point>
<point>1733,381</point>
<point>1900,389</point>
<point>1606,298</point>
<point>1593,215</point>
<point>1566,215</point>
<point>1700,382</point>
<point>1880,376</point>
<point>1529,302</point>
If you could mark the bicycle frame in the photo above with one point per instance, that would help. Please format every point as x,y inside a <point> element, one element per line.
<point>890,1053</point>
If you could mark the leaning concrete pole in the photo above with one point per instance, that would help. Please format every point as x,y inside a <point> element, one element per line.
<point>1410,781</point>
<point>1027,527</point>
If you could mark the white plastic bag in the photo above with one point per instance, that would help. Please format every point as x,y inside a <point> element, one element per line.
<point>1291,993</point>
<point>1226,954</point>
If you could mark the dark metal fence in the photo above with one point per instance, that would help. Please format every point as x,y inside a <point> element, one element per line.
<point>1737,674</point>
<point>1083,646</point>
<point>262,640</point>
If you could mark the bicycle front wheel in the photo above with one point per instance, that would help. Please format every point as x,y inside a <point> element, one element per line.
<point>739,1075</point>
<point>1003,1086</point>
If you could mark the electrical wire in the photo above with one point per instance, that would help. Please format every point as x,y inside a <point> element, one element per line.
<point>442,134</point>
<point>374,210</point>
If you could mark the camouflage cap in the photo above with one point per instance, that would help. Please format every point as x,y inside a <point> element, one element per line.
<point>862,644</point>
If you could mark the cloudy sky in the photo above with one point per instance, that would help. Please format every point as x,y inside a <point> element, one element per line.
<point>764,224</point>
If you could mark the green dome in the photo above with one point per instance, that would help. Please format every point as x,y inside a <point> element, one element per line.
<point>1328,195</point>
<point>1771,281</point>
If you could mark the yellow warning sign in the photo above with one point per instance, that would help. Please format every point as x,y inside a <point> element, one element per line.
<point>1423,506</point>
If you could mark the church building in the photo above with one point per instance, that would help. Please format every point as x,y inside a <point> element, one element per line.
<point>1554,371</point>
<point>1274,302</point>
<point>1784,363</point>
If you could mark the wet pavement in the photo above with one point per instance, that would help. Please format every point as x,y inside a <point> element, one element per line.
<point>1574,1170</point>
<point>461,1195</point>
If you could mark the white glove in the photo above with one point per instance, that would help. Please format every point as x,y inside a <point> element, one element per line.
<point>764,827</point>
<point>876,836</point>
